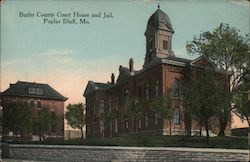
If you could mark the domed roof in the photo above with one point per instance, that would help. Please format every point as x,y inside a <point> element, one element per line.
<point>160,20</point>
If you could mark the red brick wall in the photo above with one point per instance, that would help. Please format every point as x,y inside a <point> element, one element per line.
<point>53,105</point>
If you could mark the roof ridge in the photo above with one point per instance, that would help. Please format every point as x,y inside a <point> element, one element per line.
<point>31,82</point>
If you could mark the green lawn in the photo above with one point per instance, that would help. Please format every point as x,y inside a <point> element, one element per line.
<point>158,141</point>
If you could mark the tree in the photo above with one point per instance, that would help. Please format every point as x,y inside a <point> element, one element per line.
<point>42,123</point>
<point>203,96</point>
<point>133,111</point>
<point>163,107</point>
<point>17,118</point>
<point>75,116</point>
<point>107,117</point>
<point>229,52</point>
<point>242,100</point>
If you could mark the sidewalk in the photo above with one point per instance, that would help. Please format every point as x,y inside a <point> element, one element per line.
<point>13,160</point>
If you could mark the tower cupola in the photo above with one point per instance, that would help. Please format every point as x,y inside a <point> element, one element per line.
<point>158,35</point>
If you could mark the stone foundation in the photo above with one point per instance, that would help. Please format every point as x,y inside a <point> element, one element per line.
<point>122,154</point>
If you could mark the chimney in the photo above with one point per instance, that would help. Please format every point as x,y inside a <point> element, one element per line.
<point>112,78</point>
<point>131,65</point>
<point>120,69</point>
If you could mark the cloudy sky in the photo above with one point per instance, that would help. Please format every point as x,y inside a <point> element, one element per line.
<point>66,56</point>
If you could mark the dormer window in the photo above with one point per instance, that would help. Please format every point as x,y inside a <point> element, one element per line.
<point>37,91</point>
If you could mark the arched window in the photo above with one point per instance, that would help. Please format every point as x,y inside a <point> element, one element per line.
<point>176,116</point>
<point>175,88</point>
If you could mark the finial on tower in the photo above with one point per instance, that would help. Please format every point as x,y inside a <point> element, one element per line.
<point>158,5</point>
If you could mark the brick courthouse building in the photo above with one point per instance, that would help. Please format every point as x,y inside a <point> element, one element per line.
<point>161,71</point>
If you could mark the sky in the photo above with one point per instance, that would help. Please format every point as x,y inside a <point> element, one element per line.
<point>67,56</point>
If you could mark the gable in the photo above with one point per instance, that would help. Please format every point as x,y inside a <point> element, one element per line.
<point>202,61</point>
<point>89,88</point>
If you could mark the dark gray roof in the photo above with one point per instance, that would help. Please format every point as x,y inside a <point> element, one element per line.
<point>22,89</point>
<point>158,19</point>
<point>179,59</point>
<point>94,86</point>
<point>101,86</point>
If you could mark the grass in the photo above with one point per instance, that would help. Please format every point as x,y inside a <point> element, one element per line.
<point>157,141</point>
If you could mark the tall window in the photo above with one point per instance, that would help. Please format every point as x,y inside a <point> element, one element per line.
<point>116,128</point>
<point>176,116</point>
<point>126,97</point>
<point>150,45</point>
<point>139,92</point>
<point>175,88</point>
<point>94,109</point>
<point>53,121</point>
<point>101,126</point>
<point>139,123</point>
<point>156,119</point>
<point>102,106</point>
<point>110,104</point>
<point>147,92</point>
<point>94,128</point>
<point>126,122</point>
<point>39,105</point>
<point>116,103</point>
<point>146,120</point>
<point>165,45</point>
<point>156,88</point>
<point>32,104</point>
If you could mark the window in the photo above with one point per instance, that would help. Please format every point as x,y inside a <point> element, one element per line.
<point>101,106</point>
<point>53,121</point>
<point>146,120</point>
<point>126,122</point>
<point>53,115</point>
<point>116,103</point>
<point>165,45</point>
<point>147,92</point>
<point>156,119</point>
<point>176,116</point>
<point>93,128</point>
<point>139,123</point>
<point>116,128</point>
<point>94,109</point>
<point>126,97</point>
<point>110,104</point>
<point>39,105</point>
<point>110,127</point>
<point>156,89</point>
<point>150,45</point>
<point>32,104</point>
<point>139,92</point>
<point>175,88</point>
<point>101,126</point>
<point>37,91</point>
